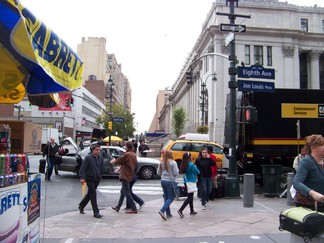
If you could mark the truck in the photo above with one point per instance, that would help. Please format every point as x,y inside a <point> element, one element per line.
<point>25,136</point>
<point>47,133</point>
<point>271,128</point>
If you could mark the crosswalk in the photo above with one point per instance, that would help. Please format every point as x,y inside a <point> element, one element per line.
<point>138,188</point>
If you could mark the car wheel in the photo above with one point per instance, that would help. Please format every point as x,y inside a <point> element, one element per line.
<point>147,173</point>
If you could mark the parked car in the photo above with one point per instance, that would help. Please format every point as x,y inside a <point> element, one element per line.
<point>147,167</point>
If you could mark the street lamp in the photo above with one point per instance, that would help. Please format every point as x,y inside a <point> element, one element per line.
<point>203,97</point>
<point>111,84</point>
<point>19,108</point>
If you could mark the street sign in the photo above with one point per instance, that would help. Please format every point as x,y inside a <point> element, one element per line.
<point>233,28</point>
<point>256,72</point>
<point>257,86</point>
<point>229,38</point>
<point>118,119</point>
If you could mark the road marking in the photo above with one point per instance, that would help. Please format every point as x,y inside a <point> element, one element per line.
<point>147,189</point>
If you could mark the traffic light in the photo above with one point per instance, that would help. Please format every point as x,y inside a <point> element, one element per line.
<point>251,114</point>
<point>110,125</point>
<point>67,102</point>
<point>189,76</point>
<point>71,102</point>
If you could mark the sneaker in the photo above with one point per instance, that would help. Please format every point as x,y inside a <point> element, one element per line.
<point>203,207</point>
<point>193,212</point>
<point>169,216</point>
<point>127,208</point>
<point>180,214</point>
<point>162,215</point>
<point>141,206</point>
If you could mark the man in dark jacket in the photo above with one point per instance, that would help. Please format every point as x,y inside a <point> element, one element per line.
<point>50,150</point>
<point>128,164</point>
<point>91,172</point>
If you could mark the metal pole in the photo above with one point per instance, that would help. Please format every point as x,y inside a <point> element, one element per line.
<point>232,188</point>
<point>203,104</point>
<point>248,190</point>
<point>110,110</point>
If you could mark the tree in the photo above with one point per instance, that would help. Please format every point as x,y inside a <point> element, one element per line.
<point>179,119</point>
<point>124,129</point>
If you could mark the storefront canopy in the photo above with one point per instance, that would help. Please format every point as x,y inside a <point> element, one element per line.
<point>33,59</point>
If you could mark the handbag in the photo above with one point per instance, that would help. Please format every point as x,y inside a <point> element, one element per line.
<point>58,159</point>
<point>303,200</point>
<point>41,167</point>
<point>191,187</point>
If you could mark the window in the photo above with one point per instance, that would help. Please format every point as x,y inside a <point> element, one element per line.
<point>206,64</point>
<point>247,55</point>
<point>258,55</point>
<point>304,25</point>
<point>323,26</point>
<point>269,55</point>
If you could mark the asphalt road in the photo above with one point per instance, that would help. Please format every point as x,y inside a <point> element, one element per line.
<point>63,193</point>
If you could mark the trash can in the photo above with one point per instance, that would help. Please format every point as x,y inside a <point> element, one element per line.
<point>271,180</point>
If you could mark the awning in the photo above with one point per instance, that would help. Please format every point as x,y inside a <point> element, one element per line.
<point>33,59</point>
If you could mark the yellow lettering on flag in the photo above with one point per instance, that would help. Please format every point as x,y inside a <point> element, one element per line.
<point>299,110</point>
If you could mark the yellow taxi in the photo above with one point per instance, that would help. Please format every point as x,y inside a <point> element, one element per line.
<point>179,147</point>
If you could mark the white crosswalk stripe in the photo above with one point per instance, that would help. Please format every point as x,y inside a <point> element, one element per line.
<point>138,188</point>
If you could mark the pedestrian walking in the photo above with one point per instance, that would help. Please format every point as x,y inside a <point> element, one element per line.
<point>126,174</point>
<point>190,179</point>
<point>136,198</point>
<point>298,158</point>
<point>50,150</point>
<point>91,172</point>
<point>204,164</point>
<point>143,148</point>
<point>168,170</point>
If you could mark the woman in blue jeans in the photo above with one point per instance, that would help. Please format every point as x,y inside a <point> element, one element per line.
<point>168,170</point>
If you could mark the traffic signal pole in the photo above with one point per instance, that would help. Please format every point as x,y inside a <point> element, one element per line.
<point>232,189</point>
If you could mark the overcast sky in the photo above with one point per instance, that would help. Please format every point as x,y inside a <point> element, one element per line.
<point>151,39</point>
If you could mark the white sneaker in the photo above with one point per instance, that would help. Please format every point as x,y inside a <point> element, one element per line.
<point>203,207</point>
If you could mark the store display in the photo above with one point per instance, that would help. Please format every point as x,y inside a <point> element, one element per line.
<point>13,167</point>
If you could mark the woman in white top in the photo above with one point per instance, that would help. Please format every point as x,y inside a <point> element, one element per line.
<point>168,170</point>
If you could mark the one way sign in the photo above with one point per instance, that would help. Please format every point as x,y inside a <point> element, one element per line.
<point>233,28</point>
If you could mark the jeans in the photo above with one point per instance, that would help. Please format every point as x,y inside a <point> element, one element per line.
<point>126,192</point>
<point>134,196</point>
<point>91,195</point>
<point>169,195</point>
<point>50,166</point>
<point>206,188</point>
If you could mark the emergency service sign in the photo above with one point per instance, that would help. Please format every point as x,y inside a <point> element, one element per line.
<point>290,110</point>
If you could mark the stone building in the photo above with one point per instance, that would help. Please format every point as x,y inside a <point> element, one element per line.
<point>279,35</point>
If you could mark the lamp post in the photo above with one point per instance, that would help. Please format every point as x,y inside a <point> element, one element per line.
<point>111,84</point>
<point>19,108</point>
<point>203,97</point>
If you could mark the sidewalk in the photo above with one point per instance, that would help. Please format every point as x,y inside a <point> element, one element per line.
<point>223,219</point>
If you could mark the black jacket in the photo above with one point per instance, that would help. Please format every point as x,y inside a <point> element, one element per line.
<point>50,150</point>
<point>91,168</point>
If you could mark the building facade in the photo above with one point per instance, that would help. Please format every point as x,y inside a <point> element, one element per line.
<point>280,36</point>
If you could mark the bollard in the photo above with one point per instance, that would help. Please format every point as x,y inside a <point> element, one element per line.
<point>290,179</point>
<point>248,190</point>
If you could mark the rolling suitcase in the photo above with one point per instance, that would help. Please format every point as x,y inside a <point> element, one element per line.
<point>41,167</point>
<point>303,222</point>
